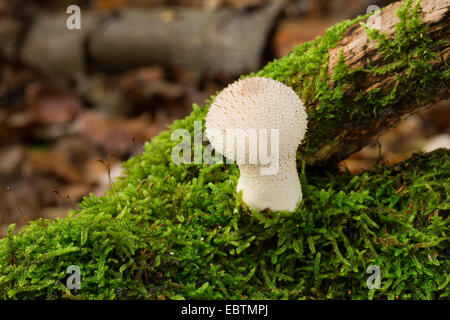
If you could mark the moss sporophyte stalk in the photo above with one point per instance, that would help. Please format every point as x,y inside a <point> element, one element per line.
<point>180,231</point>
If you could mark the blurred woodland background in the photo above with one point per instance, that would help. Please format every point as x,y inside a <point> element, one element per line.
<point>75,103</point>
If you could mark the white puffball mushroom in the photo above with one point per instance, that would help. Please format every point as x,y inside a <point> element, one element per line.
<point>268,118</point>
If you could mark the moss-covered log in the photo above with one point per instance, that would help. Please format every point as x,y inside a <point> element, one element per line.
<point>181,231</point>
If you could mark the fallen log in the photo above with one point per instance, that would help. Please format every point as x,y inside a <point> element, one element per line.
<point>358,81</point>
<point>223,41</point>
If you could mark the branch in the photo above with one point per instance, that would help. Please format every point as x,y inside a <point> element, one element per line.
<point>357,82</point>
<point>223,41</point>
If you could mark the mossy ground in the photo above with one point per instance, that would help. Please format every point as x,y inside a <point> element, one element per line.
<point>181,231</point>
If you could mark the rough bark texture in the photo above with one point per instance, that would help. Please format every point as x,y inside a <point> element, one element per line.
<point>352,133</point>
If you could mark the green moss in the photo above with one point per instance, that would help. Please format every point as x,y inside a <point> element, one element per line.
<point>181,231</point>
<point>411,50</point>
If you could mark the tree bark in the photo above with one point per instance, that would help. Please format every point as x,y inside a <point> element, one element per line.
<point>354,130</point>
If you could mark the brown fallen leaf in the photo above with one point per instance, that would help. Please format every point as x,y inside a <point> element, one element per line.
<point>50,162</point>
<point>114,135</point>
<point>144,83</point>
<point>11,158</point>
<point>73,193</point>
<point>50,105</point>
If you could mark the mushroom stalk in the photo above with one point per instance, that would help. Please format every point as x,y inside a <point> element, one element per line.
<point>279,192</point>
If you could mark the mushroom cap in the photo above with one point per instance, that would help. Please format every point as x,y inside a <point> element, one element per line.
<point>258,103</point>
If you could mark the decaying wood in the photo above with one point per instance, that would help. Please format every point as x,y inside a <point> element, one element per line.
<point>228,41</point>
<point>348,137</point>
